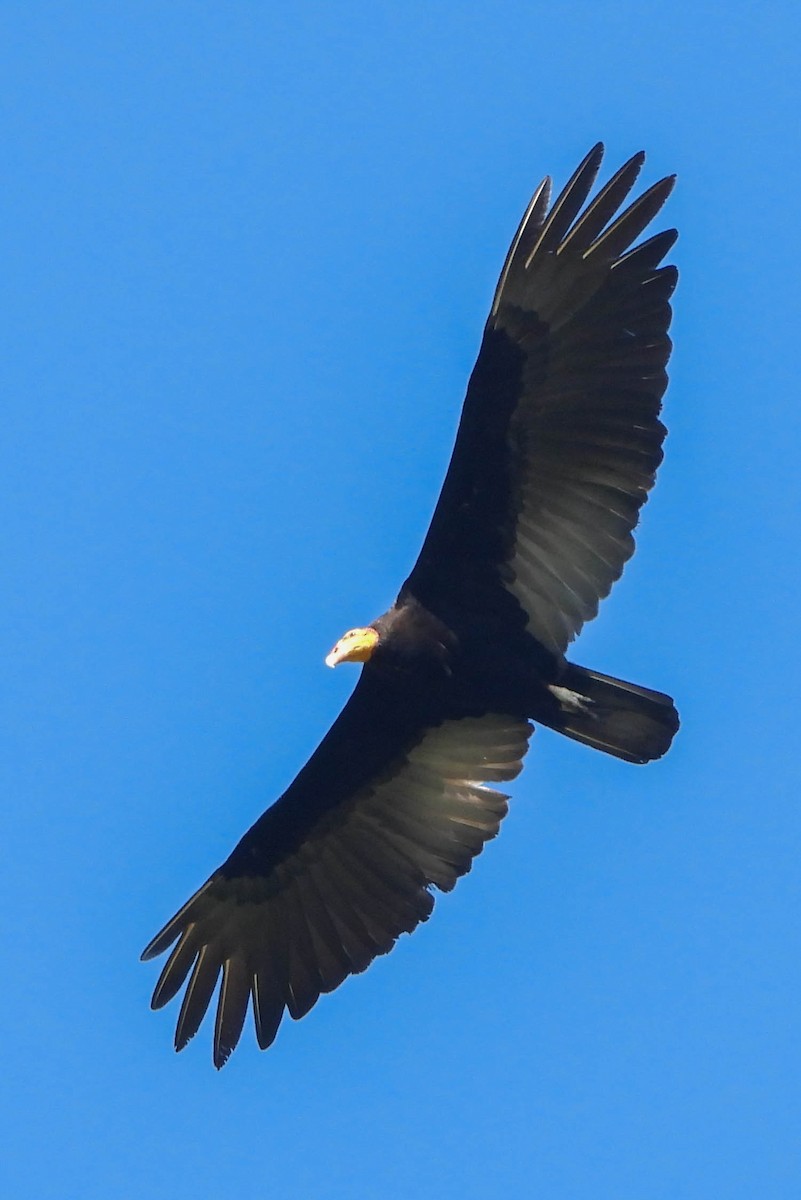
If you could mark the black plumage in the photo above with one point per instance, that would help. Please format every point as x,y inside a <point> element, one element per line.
<point>558,446</point>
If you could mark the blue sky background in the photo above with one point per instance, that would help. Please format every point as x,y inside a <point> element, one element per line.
<point>249,250</point>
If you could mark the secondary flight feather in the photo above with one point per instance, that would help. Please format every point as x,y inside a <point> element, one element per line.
<point>557,449</point>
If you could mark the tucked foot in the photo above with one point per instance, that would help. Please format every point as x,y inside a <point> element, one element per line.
<point>570,701</point>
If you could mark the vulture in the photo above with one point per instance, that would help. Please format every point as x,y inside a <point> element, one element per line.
<point>557,448</point>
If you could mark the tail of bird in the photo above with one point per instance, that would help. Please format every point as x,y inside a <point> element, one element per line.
<point>623,719</point>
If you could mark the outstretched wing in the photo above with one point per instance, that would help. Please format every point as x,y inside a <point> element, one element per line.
<point>560,436</point>
<point>340,866</point>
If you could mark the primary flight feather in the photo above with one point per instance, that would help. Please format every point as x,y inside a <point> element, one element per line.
<point>558,445</point>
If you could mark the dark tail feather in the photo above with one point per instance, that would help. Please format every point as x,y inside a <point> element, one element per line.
<point>619,718</point>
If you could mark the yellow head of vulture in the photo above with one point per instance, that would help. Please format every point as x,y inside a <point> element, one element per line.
<point>357,645</point>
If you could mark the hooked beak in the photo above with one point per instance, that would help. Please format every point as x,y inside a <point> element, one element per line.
<point>357,645</point>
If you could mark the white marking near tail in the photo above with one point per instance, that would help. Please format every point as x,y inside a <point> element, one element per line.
<point>570,701</point>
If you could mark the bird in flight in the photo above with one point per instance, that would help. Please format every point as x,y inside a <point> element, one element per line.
<point>557,448</point>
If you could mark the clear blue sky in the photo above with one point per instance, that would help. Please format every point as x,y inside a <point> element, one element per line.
<point>248,254</point>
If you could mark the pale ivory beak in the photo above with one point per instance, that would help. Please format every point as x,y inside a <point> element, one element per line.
<point>355,646</point>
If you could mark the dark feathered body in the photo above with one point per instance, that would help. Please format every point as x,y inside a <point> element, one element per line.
<point>466,668</point>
